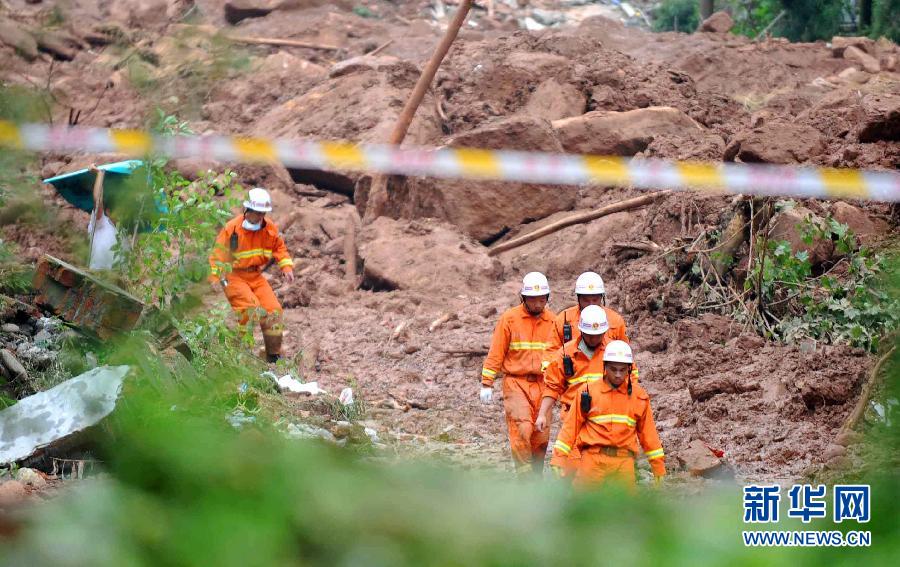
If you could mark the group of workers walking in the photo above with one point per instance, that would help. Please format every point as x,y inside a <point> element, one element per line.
<point>580,358</point>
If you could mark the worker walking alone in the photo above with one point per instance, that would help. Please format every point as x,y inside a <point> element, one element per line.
<point>609,419</point>
<point>519,351</point>
<point>247,245</point>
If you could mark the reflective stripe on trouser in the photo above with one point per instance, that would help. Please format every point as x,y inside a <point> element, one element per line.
<point>596,468</point>
<point>572,459</point>
<point>522,400</point>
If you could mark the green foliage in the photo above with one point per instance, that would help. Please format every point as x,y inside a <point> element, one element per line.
<point>844,305</point>
<point>677,15</point>
<point>805,20</point>
<point>15,277</point>
<point>752,17</point>
<point>886,19</point>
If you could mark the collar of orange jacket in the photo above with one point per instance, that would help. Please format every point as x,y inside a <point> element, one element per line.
<point>545,315</point>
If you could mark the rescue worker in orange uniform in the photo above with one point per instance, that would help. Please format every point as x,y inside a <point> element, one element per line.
<point>519,351</point>
<point>243,250</point>
<point>589,290</point>
<point>607,422</point>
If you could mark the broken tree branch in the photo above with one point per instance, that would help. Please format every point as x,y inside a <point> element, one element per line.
<point>866,393</point>
<point>439,321</point>
<point>580,218</point>
<point>378,197</point>
<point>644,246</point>
<point>381,47</point>
<point>283,42</point>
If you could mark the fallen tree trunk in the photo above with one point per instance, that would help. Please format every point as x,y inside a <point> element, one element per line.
<point>580,218</point>
<point>865,394</point>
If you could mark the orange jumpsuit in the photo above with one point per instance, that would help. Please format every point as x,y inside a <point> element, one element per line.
<point>605,441</point>
<point>616,332</point>
<point>247,290</point>
<point>519,350</point>
<point>564,389</point>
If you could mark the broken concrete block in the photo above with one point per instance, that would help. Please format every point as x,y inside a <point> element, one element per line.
<point>50,417</point>
<point>698,459</point>
<point>95,307</point>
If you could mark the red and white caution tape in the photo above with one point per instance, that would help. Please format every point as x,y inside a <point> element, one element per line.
<point>462,163</point>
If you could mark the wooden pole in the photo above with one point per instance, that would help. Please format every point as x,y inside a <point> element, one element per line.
<point>98,207</point>
<point>580,218</point>
<point>377,200</point>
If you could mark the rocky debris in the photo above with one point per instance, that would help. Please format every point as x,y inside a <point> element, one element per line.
<point>306,431</point>
<point>621,133</point>
<point>882,118</point>
<point>698,459</point>
<point>718,22</point>
<point>829,387</point>
<point>776,141</point>
<point>434,257</point>
<point>859,221</point>
<point>30,477</point>
<point>552,100</point>
<point>865,60</point>
<point>14,35</point>
<point>12,492</point>
<point>484,210</point>
<point>10,328</point>
<point>238,10</point>
<point>60,45</point>
<point>706,387</point>
<point>854,75</point>
<point>11,366</point>
<point>52,416</point>
<point>788,226</point>
<point>840,43</point>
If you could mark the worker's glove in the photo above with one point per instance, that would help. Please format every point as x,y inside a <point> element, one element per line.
<point>486,395</point>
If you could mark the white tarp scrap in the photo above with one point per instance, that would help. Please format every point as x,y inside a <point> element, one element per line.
<point>46,417</point>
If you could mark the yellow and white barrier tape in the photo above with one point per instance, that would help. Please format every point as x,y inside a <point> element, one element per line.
<point>487,165</point>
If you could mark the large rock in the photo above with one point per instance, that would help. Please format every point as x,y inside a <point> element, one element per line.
<point>553,101</point>
<point>882,118</point>
<point>839,44</point>
<point>788,226</point>
<point>482,209</point>
<point>360,102</point>
<point>859,221</point>
<point>13,35</point>
<point>13,368</point>
<point>434,257</point>
<point>776,142</point>
<point>698,459</point>
<point>719,22</point>
<point>622,133</point>
<point>867,62</point>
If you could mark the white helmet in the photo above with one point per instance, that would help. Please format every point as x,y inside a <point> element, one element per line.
<point>593,321</point>
<point>258,199</point>
<point>589,283</point>
<point>535,284</point>
<point>618,351</point>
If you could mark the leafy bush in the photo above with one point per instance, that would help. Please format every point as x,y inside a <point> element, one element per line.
<point>676,15</point>
<point>886,19</point>
<point>843,305</point>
